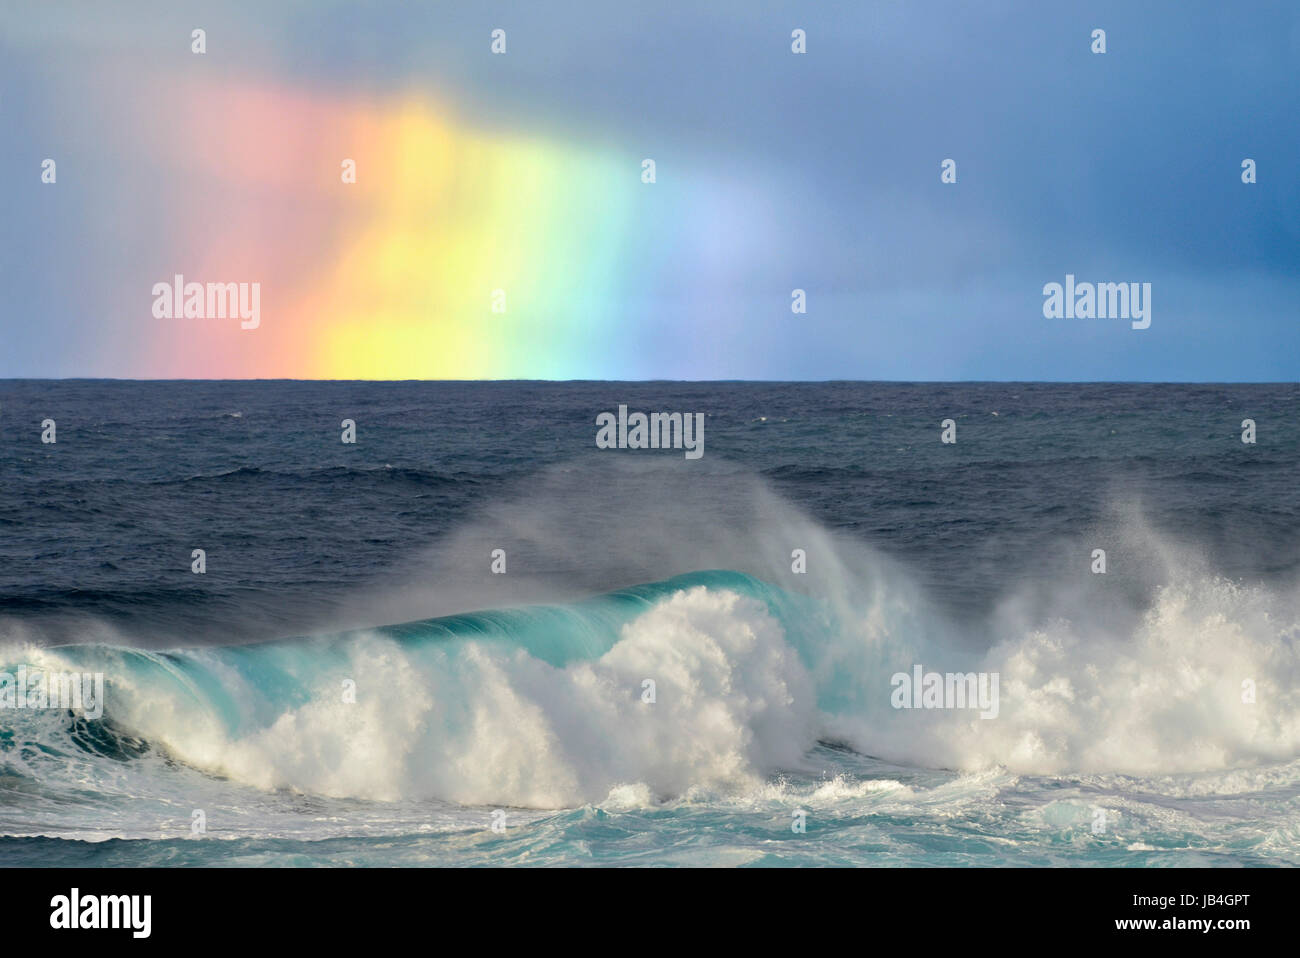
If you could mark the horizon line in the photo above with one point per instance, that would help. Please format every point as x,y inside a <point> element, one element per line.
<point>900,382</point>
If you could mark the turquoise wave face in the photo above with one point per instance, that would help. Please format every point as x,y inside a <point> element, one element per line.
<point>561,697</point>
<point>285,674</point>
<point>192,705</point>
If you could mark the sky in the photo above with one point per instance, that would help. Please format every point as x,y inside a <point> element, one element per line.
<point>500,225</point>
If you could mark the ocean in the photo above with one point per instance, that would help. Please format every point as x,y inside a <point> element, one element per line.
<point>471,637</point>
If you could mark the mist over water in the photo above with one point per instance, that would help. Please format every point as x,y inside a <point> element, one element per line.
<point>1121,692</point>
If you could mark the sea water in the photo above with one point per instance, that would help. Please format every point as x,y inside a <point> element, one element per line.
<point>672,661</point>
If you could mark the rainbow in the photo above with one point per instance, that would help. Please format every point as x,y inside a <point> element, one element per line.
<point>459,252</point>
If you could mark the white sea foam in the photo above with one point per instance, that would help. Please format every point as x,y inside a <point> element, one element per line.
<point>742,694</point>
